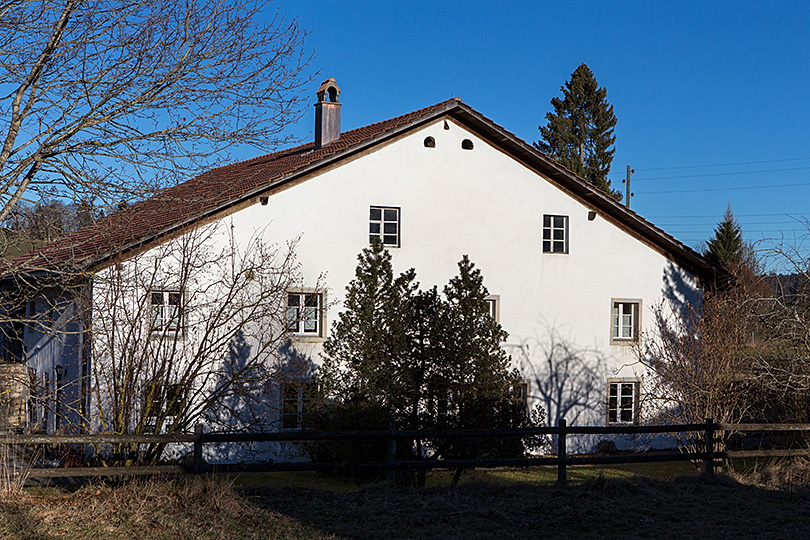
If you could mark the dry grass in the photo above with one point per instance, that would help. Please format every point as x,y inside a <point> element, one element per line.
<point>790,474</point>
<point>519,504</point>
<point>194,509</point>
<point>13,470</point>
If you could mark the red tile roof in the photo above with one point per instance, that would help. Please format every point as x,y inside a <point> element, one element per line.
<point>218,189</point>
<point>197,198</point>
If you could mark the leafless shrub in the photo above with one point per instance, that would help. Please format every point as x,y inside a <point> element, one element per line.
<point>784,474</point>
<point>698,362</point>
<point>782,361</point>
<point>14,469</point>
<point>190,330</point>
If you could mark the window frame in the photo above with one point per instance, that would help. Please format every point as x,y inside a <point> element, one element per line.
<point>300,321</point>
<point>169,404</point>
<point>494,304</point>
<point>549,230</point>
<point>620,385</point>
<point>166,296</point>
<point>300,397</point>
<point>616,330</point>
<point>522,391</point>
<point>381,225</point>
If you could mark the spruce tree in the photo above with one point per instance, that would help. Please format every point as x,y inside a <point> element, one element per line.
<point>579,132</point>
<point>476,337</point>
<point>482,385</point>
<point>368,341</point>
<point>727,247</point>
<point>425,360</point>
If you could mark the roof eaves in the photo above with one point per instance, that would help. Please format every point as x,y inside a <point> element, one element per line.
<point>304,170</point>
<point>347,152</point>
<point>567,179</point>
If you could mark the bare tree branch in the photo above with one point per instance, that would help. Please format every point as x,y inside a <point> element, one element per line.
<point>110,99</point>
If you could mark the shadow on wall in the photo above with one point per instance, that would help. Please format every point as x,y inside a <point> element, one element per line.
<point>680,291</point>
<point>568,380</point>
<point>293,365</point>
<point>251,399</point>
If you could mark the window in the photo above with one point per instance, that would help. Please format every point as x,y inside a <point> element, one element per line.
<point>622,402</point>
<point>384,224</point>
<point>521,391</point>
<point>555,234</point>
<point>493,307</point>
<point>161,401</point>
<point>304,313</point>
<point>296,398</point>
<point>467,144</point>
<point>625,321</point>
<point>430,142</point>
<point>166,312</point>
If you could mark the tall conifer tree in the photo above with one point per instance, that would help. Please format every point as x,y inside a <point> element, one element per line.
<point>579,132</point>
<point>727,247</point>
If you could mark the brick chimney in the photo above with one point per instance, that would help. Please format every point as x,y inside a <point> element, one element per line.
<point>327,113</point>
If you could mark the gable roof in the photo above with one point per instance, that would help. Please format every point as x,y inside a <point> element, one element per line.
<point>215,191</point>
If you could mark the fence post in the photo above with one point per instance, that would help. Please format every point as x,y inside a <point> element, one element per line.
<point>392,453</point>
<point>198,440</point>
<point>561,453</point>
<point>708,467</point>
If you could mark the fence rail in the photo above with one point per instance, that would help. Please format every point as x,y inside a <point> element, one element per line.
<point>562,459</point>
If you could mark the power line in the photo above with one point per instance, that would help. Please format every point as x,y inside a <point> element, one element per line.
<point>801,214</point>
<point>746,232</point>
<point>724,164</point>
<point>617,177</point>
<point>746,222</point>
<point>721,189</point>
<point>712,175</point>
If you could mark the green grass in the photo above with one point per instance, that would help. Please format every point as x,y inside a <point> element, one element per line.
<point>436,479</point>
<point>599,507</point>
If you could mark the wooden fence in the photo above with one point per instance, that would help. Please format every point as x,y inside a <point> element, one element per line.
<point>705,432</point>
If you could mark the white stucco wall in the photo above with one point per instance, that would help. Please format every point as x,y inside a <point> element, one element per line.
<point>483,203</point>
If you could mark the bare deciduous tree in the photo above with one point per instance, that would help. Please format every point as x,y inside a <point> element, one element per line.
<point>699,358</point>
<point>106,99</point>
<point>696,362</point>
<point>189,331</point>
<point>782,363</point>
<point>745,355</point>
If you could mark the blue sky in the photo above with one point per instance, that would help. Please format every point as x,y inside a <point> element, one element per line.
<point>711,97</point>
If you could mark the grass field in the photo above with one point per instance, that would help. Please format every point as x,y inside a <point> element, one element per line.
<point>600,503</point>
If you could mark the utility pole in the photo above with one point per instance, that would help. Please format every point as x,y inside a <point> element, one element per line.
<point>627,193</point>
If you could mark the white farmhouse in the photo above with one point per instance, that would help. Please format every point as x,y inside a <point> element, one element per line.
<point>573,275</point>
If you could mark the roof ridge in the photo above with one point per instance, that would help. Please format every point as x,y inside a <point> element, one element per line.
<point>217,189</point>
<point>416,113</point>
<point>307,145</point>
<point>148,217</point>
